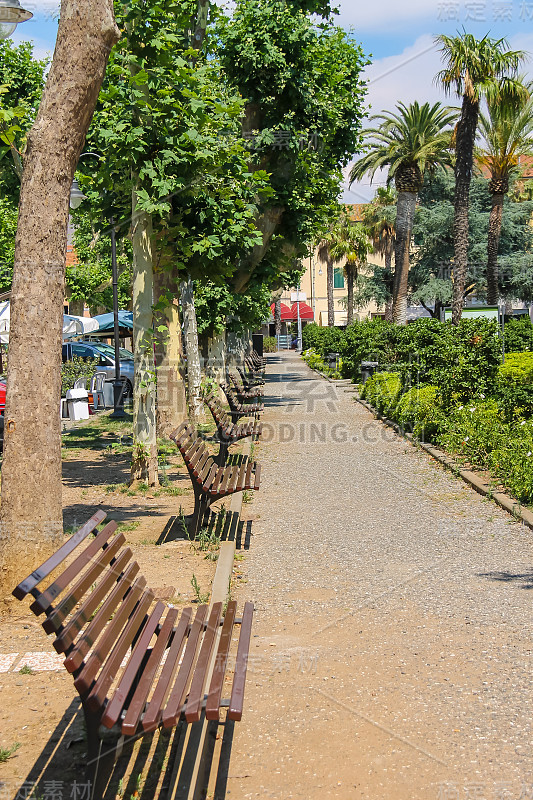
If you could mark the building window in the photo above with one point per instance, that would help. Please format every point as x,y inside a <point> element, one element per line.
<point>338,278</point>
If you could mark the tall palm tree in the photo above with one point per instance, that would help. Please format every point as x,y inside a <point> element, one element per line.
<point>350,243</point>
<point>409,142</point>
<point>474,68</point>
<point>506,135</point>
<point>379,217</point>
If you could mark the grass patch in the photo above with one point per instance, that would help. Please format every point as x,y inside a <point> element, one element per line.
<point>128,526</point>
<point>7,752</point>
<point>200,597</point>
<point>25,670</point>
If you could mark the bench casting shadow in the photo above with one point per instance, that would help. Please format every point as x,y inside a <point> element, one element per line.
<point>524,578</point>
<point>160,767</point>
<point>227,527</point>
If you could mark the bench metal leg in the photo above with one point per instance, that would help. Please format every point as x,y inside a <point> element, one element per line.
<point>201,509</point>
<point>101,756</point>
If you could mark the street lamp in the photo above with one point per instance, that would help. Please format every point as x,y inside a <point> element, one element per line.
<point>11,13</point>
<point>76,198</point>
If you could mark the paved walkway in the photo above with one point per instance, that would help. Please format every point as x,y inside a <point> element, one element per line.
<point>392,645</point>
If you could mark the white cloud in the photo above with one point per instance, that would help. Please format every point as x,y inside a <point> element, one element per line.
<point>408,76</point>
<point>387,15</point>
<point>46,8</point>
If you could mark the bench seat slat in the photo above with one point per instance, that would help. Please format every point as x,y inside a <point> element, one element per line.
<point>212,708</point>
<point>28,584</point>
<point>196,692</point>
<point>172,710</point>
<point>257,468</point>
<point>154,711</point>
<point>97,695</point>
<point>91,603</point>
<point>239,679</point>
<point>120,695</point>
<point>242,472</point>
<point>61,612</point>
<point>138,701</point>
<point>125,594</point>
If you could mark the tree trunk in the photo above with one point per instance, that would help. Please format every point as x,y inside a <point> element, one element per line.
<point>495,227</point>
<point>194,371</point>
<point>144,461</point>
<point>331,303</point>
<point>464,149</point>
<point>277,317</point>
<point>31,525</point>
<point>350,275</point>
<point>405,214</point>
<point>169,362</point>
<point>215,366</point>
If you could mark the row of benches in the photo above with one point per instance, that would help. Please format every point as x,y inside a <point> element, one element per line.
<point>137,663</point>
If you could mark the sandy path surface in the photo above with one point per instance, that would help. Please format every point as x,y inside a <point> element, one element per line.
<point>392,647</point>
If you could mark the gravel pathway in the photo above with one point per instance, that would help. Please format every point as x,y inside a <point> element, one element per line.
<point>392,644</point>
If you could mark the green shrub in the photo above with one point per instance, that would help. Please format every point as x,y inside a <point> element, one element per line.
<point>473,431</point>
<point>270,344</point>
<point>74,369</point>
<point>518,335</point>
<point>419,411</point>
<point>315,361</point>
<point>514,386</point>
<point>382,391</point>
<point>512,461</point>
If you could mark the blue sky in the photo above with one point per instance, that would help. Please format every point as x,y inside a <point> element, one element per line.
<point>399,35</point>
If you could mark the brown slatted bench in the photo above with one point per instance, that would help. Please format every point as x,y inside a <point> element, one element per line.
<point>104,620</point>
<point>241,391</point>
<point>249,380</point>
<point>238,408</point>
<point>210,480</point>
<point>258,362</point>
<point>229,432</point>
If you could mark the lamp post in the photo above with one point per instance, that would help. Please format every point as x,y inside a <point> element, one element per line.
<point>11,13</point>
<point>76,198</point>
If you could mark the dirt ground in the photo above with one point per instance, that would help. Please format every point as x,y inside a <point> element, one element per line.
<point>40,718</point>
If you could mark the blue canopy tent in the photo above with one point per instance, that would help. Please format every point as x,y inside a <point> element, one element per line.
<point>105,322</point>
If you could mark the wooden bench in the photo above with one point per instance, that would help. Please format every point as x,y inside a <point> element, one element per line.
<point>137,663</point>
<point>229,432</point>
<point>238,408</point>
<point>241,391</point>
<point>249,379</point>
<point>255,362</point>
<point>210,480</point>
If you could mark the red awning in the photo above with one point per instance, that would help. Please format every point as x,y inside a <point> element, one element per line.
<point>286,313</point>
<point>306,312</point>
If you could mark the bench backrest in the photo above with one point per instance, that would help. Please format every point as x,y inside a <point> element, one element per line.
<point>198,460</point>
<point>220,415</point>
<point>100,584</point>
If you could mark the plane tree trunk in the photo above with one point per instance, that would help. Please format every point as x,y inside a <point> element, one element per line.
<point>31,518</point>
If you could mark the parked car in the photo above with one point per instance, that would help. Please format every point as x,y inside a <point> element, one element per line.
<point>106,360</point>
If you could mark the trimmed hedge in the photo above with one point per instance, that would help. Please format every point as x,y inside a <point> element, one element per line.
<point>446,384</point>
<point>382,391</point>
<point>419,411</point>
